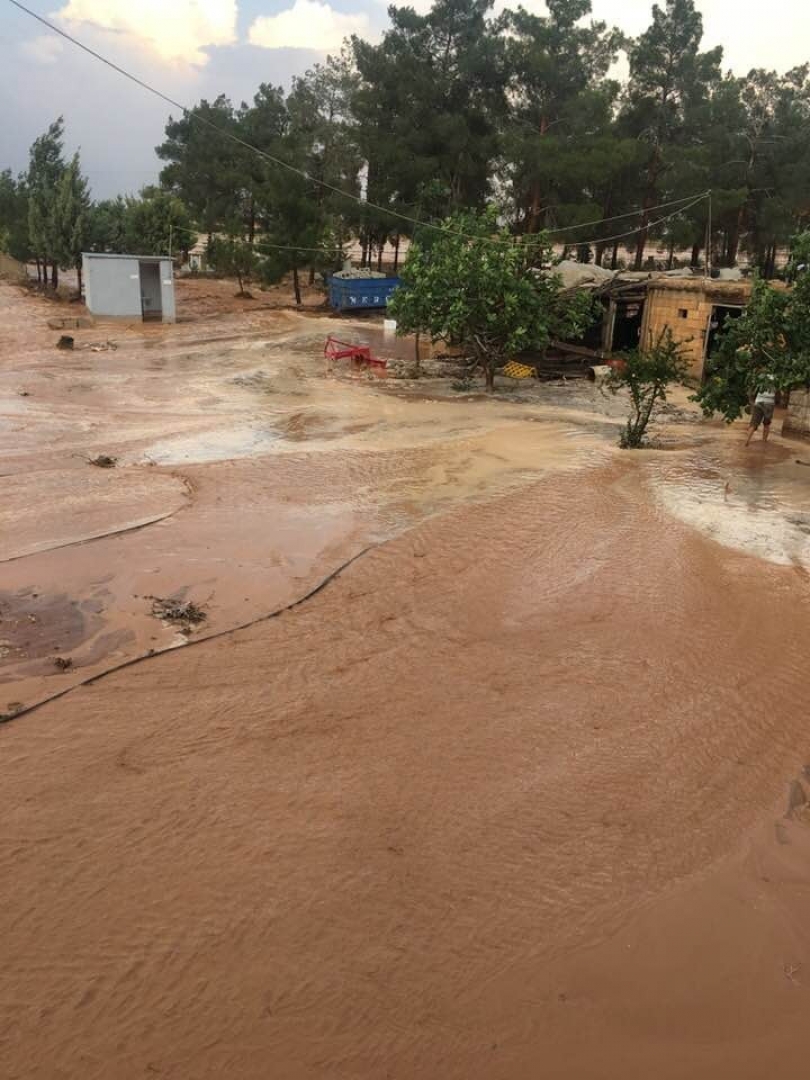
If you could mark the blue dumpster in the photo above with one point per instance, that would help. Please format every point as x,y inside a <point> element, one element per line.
<point>357,294</point>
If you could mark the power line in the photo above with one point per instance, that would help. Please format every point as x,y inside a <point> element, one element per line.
<point>649,224</point>
<point>215,127</point>
<point>629,214</point>
<point>322,183</point>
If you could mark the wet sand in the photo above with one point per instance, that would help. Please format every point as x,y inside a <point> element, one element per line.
<point>506,798</point>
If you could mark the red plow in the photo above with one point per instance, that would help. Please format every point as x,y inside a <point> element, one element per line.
<point>345,350</point>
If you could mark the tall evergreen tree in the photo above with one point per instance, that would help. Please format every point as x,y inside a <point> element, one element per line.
<point>46,165</point>
<point>71,218</point>
<point>14,216</point>
<point>561,108</point>
<point>670,83</point>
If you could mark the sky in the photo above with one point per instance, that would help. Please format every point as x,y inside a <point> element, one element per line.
<point>199,48</point>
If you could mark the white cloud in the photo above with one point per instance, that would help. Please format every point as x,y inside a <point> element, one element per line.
<point>175,29</point>
<point>42,50</point>
<point>308,24</point>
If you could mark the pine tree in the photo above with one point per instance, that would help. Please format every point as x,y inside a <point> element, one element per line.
<point>670,83</point>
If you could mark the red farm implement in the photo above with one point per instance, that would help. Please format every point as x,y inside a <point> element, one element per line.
<point>345,350</point>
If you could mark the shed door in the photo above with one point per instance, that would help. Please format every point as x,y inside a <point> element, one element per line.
<point>151,306</point>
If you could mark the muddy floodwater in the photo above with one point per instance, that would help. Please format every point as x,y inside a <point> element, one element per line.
<point>486,758</point>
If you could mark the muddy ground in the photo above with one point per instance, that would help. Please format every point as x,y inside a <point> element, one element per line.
<point>482,756</point>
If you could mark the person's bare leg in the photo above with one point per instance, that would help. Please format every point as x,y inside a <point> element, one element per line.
<point>751,430</point>
<point>766,432</point>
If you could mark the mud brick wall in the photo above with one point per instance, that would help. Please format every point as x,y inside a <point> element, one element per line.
<point>686,313</point>
<point>797,420</point>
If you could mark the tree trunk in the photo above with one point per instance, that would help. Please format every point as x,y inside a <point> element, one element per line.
<point>695,256</point>
<point>54,277</point>
<point>671,258</point>
<point>239,279</point>
<point>39,271</point>
<point>252,221</point>
<point>311,276</point>
<point>533,216</point>
<point>418,358</point>
<point>641,243</point>
<point>396,253</point>
<point>770,266</point>
<point>489,375</point>
<point>296,286</point>
<point>79,278</point>
<point>649,201</point>
<point>380,256</point>
<point>614,261</point>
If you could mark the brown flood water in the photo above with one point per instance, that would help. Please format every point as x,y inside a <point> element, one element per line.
<point>505,799</point>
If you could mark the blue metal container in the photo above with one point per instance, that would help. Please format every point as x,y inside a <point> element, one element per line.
<point>357,294</point>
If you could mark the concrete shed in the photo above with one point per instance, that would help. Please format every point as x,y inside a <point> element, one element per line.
<point>129,286</point>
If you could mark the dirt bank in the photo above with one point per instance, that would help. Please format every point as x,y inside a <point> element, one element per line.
<point>507,798</point>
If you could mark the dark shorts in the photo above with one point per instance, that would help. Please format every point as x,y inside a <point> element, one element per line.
<point>762,414</point>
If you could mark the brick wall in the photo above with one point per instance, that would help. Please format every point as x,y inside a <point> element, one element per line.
<point>797,420</point>
<point>667,308</point>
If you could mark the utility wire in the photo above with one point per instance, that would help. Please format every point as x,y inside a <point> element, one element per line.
<point>649,225</point>
<point>215,127</point>
<point>629,214</point>
<point>322,183</point>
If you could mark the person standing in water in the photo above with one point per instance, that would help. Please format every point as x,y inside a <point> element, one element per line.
<point>762,411</point>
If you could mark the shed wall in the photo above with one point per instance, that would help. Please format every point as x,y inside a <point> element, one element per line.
<point>167,290</point>
<point>797,419</point>
<point>664,309</point>
<point>113,287</point>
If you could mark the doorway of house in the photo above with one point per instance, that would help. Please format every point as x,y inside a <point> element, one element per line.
<point>625,331</point>
<point>151,304</point>
<point>718,321</point>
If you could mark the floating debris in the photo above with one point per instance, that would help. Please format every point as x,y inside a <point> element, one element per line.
<point>184,613</point>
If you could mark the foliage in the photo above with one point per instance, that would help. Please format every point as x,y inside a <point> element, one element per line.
<point>45,168</point>
<point>476,286</point>
<point>647,375</point>
<point>233,258</point>
<point>157,223</point>
<point>770,342</point>
<point>14,216</point>
<point>750,346</point>
<point>71,218</point>
<point>107,227</point>
<point>671,83</point>
<point>456,107</point>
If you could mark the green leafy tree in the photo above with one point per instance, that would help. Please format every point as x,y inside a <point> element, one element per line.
<point>233,258</point>
<point>475,286</point>
<point>157,223</point>
<point>14,216</point>
<point>647,374</point>
<point>107,230</point>
<point>770,341</point>
<point>750,346</point>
